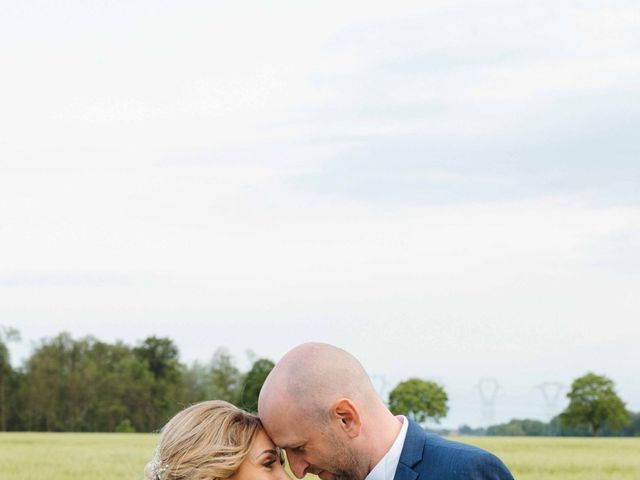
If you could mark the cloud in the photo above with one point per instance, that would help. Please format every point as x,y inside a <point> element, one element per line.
<point>483,103</point>
<point>451,184</point>
<point>62,279</point>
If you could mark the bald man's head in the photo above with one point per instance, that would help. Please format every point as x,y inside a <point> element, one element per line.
<point>320,406</point>
<point>312,376</point>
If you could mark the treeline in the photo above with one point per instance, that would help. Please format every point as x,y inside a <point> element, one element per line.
<point>594,409</point>
<point>87,385</point>
<point>553,428</point>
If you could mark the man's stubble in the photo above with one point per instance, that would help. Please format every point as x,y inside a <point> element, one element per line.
<point>345,464</point>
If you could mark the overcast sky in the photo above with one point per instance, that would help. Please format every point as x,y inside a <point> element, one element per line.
<point>447,189</point>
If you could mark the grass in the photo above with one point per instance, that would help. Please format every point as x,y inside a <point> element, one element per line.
<point>74,456</point>
<point>551,458</point>
<point>110,456</point>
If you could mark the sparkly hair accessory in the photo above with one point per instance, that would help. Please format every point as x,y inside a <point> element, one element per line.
<point>157,467</point>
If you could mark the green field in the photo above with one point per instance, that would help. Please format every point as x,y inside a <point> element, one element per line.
<point>93,456</point>
<point>531,458</point>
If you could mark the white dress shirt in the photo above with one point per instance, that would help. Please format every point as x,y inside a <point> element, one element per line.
<point>386,468</point>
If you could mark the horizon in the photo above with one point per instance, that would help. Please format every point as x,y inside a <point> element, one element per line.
<point>485,403</point>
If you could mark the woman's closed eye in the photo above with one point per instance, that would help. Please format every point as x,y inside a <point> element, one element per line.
<point>272,458</point>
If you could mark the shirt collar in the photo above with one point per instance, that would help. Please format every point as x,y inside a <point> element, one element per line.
<point>386,468</point>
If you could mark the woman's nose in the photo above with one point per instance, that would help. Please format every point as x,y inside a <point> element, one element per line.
<point>283,475</point>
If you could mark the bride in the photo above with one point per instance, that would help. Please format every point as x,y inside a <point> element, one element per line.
<point>215,440</point>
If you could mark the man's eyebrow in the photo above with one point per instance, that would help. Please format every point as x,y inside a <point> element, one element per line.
<point>293,446</point>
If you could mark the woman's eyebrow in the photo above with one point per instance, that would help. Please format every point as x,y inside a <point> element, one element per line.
<point>270,450</point>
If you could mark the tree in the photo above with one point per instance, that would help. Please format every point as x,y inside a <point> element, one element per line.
<point>15,407</point>
<point>64,379</point>
<point>469,431</point>
<point>195,380</point>
<point>419,400</point>
<point>252,384</point>
<point>7,334</point>
<point>88,385</point>
<point>161,357</point>
<point>125,426</point>
<point>633,429</point>
<point>518,427</point>
<point>225,376</point>
<point>122,388</point>
<point>47,373</point>
<point>594,402</point>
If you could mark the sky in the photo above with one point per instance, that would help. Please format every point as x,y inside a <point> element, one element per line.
<point>448,189</point>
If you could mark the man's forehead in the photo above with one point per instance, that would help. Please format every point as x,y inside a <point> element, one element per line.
<point>287,429</point>
<point>289,440</point>
<point>286,434</point>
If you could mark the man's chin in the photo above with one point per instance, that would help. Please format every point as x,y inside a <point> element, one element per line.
<point>324,475</point>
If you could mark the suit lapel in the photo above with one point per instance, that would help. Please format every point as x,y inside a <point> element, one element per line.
<point>412,452</point>
<point>405,473</point>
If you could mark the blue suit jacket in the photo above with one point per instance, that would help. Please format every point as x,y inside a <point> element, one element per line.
<point>426,456</point>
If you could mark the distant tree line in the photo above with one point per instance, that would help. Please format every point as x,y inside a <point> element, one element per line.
<point>594,409</point>
<point>553,428</point>
<point>88,385</point>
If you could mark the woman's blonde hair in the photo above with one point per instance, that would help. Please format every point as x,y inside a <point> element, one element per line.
<point>206,441</point>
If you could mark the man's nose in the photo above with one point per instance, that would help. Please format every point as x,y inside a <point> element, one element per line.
<point>298,465</point>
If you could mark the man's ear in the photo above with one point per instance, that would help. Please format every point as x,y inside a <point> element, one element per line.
<point>348,416</point>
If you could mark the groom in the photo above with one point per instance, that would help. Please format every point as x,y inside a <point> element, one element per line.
<point>320,406</point>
